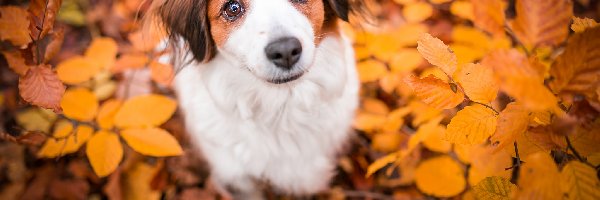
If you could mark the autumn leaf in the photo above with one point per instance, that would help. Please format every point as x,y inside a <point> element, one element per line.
<point>512,121</point>
<point>41,87</point>
<point>43,14</point>
<point>578,68</point>
<point>489,15</point>
<point>102,52</point>
<point>539,178</point>
<point>371,70</point>
<point>435,140</point>
<point>586,138</point>
<point>107,112</point>
<point>580,181</point>
<point>462,9</point>
<point>145,111</point>
<point>79,104</point>
<point>437,53</point>
<point>14,25</point>
<point>16,62</point>
<point>405,60</point>
<point>381,163</point>
<point>478,82</point>
<point>435,92</point>
<point>485,163</point>
<point>579,25</point>
<point>68,142</point>
<point>76,70</point>
<point>130,61</point>
<point>542,22</point>
<point>104,151</point>
<point>446,181</point>
<point>494,188</point>
<point>161,73</point>
<point>56,39</point>
<point>417,12</point>
<point>520,80</point>
<point>472,125</point>
<point>152,142</point>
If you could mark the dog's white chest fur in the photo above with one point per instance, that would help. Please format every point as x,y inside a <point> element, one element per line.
<point>287,135</point>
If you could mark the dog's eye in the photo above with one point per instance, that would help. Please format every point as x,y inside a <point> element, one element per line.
<point>299,1</point>
<point>232,10</point>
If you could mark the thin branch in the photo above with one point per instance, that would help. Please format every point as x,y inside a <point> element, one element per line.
<point>570,147</point>
<point>516,166</point>
<point>487,106</point>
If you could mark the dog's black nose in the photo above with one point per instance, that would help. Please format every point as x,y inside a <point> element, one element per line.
<point>284,52</point>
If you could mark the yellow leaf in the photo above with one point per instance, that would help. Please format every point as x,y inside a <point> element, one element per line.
<point>102,52</point>
<point>440,177</point>
<point>105,90</point>
<point>76,70</point>
<point>586,138</point>
<point>145,111</point>
<point>137,182</point>
<point>405,60</point>
<point>467,54</point>
<point>417,12</point>
<point>494,188</point>
<point>106,115</point>
<point>79,104</point>
<point>36,119</point>
<point>395,119</point>
<point>130,61</point>
<point>368,122</point>
<point>580,181</point>
<point>437,53</point>
<point>14,25</point>
<point>371,70</point>
<point>472,125</point>
<point>386,142</point>
<point>390,82</point>
<point>513,120</point>
<point>539,178</point>
<point>68,142</point>
<point>435,140</point>
<point>485,163</point>
<point>374,106</point>
<point>489,15</point>
<point>478,82</point>
<point>435,92</point>
<point>542,22</point>
<point>152,142</point>
<point>579,25</point>
<point>462,9</point>
<point>422,112</point>
<point>380,163</point>
<point>520,80</point>
<point>104,151</point>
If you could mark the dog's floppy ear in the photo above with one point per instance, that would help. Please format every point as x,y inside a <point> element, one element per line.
<point>188,19</point>
<point>341,8</point>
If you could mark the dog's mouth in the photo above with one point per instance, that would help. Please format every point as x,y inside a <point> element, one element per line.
<point>285,80</point>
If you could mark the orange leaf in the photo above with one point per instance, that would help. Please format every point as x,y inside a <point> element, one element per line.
<point>152,142</point>
<point>43,14</point>
<point>417,12</point>
<point>107,112</point>
<point>542,22</point>
<point>435,92</point>
<point>520,80</point>
<point>104,151</point>
<point>56,40</point>
<point>16,62</point>
<point>145,111</point>
<point>147,40</point>
<point>489,15</point>
<point>539,178</point>
<point>441,177</point>
<point>162,73</point>
<point>462,9</point>
<point>472,125</point>
<point>76,70</point>
<point>14,24</point>
<point>371,70</point>
<point>478,82</point>
<point>41,87</point>
<point>130,61</point>
<point>512,121</point>
<point>102,52</point>
<point>69,142</point>
<point>579,25</point>
<point>79,104</point>
<point>437,53</point>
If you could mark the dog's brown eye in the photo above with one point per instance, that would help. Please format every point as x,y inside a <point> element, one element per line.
<point>232,10</point>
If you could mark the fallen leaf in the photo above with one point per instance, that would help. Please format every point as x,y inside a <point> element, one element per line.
<point>417,12</point>
<point>472,125</point>
<point>107,112</point>
<point>371,70</point>
<point>14,22</point>
<point>579,25</point>
<point>446,181</point>
<point>512,121</point>
<point>102,52</point>
<point>76,70</point>
<point>542,22</point>
<point>16,62</point>
<point>80,104</point>
<point>435,92</point>
<point>145,111</point>
<point>489,15</point>
<point>43,14</point>
<point>478,82</point>
<point>152,142</point>
<point>496,188</point>
<point>580,181</point>
<point>539,178</point>
<point>437,53</point>
<point>104,151</point>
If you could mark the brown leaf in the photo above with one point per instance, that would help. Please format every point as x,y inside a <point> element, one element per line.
<point>489,15</point>
<point>13,25</point>
<point>577,70</point>
<point>43,14</point>
<point>56,39</point>
<point>542,22</point>
<point>16,62</point>
<point>41,87</point>
<point>32,138</point>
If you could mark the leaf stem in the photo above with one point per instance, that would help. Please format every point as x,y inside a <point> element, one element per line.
<point>487,106</point>
<point>516,166</point>
<point>570,147</point>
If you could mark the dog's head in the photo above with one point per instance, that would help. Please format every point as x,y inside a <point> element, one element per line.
<point>275,40</point>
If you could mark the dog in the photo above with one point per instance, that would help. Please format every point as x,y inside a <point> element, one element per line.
<point>268,89</point>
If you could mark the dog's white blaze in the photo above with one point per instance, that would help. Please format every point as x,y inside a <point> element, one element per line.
<point>248,129</point>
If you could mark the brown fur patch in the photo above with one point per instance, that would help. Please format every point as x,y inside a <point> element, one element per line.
<point>220,28</point>
<point>321,17</point>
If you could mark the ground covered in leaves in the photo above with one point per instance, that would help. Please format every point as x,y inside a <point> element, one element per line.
<point>481,99</point>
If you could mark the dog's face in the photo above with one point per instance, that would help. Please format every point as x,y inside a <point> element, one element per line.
<point>275,40</point>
